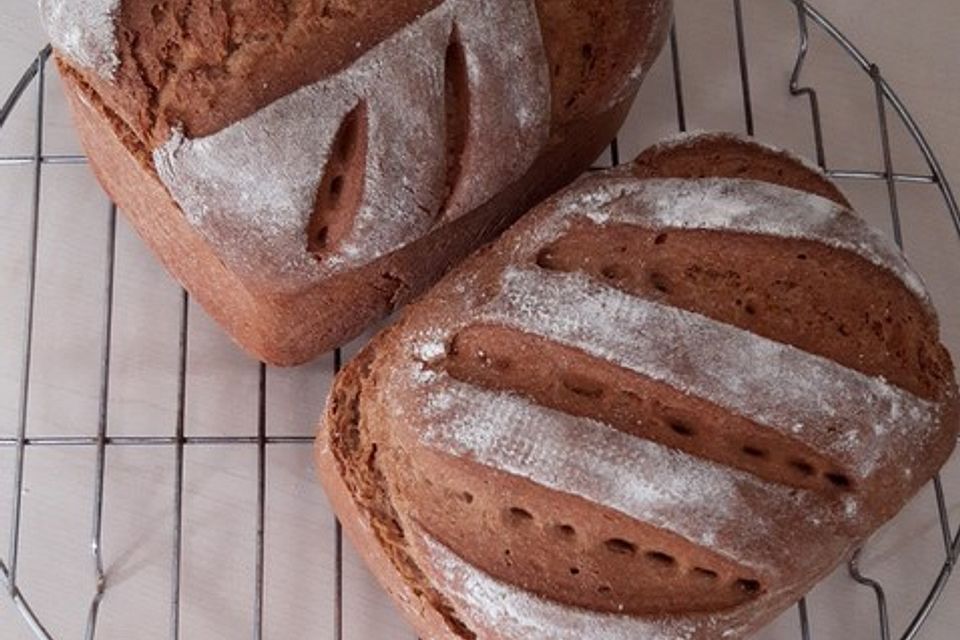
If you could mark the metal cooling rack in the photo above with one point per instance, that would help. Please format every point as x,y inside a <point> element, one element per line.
<point>34,79</point>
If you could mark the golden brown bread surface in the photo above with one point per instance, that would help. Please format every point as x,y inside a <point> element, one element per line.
<point>581,430</point>
<point>365,216</point>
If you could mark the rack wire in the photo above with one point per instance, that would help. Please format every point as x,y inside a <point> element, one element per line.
<point>35,77</point>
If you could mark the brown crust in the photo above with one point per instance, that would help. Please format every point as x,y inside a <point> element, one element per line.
<point>725,155</point>
<point>348,470</point>
<point>881,330</point>
<point>287,329</point>
<point>506,511</point>
<point>204,64</point>
<point>537,536</point>
<point>744,280</point>
<point>361,496</point>
<point>593,49</point>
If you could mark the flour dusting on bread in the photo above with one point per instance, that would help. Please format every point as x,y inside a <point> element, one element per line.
<point>773,384</point>
<point>491,604</point>
<point>84,30</point>
<point>576,451</point>
<point>740,206</point>
<point>250,188</point>
<point>698,500</point>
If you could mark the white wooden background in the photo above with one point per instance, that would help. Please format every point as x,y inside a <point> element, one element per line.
<point>917,46</point>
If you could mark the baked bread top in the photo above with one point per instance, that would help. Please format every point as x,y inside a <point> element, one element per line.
<point>309,138</point>
<point>663,405</point>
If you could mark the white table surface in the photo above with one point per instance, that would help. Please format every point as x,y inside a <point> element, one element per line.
<point>917,45</point>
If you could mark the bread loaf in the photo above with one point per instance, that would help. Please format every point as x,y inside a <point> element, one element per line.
<point>663,406</point>
<point>303,168</point>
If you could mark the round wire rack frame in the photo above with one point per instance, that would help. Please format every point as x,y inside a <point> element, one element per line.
<point>34,79</point>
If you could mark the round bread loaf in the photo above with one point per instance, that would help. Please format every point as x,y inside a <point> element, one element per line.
<point>662,406</point>
<point>306,167</point>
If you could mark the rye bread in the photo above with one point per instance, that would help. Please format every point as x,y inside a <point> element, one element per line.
<point>647,410</point>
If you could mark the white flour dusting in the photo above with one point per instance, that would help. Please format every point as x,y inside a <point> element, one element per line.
<point>250,188</point>
<point>490,603</point>
<point>771,383</point>
<point>742,206</point>
<point>84,31</point>
<point>698,500</point>
<point>879,427</point>
<point>509,612</point>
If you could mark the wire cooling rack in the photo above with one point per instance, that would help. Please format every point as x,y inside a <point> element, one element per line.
<point>22,443</point>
